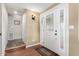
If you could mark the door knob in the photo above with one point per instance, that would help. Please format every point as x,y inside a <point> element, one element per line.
<point>0,34</point>
<point>55,34</point>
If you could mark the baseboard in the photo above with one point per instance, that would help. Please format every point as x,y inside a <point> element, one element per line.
<point>32,45</point>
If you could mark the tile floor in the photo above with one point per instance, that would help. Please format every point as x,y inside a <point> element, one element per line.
<point>14,43</point>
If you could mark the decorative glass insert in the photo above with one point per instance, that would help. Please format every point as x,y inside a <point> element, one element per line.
<point>62,29</point>
<point>42,24</point>
<point>49,22</point>
<point>42,19</point>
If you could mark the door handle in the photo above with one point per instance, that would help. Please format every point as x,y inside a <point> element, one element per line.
<point>0,34</point>
<point>55,34</point>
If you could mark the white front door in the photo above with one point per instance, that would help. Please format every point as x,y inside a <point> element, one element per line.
<point>55,33</point>
<point>56,30</point>
<point>50,41</point>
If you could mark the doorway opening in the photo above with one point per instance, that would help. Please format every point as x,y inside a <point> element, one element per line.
<point>14,35</point>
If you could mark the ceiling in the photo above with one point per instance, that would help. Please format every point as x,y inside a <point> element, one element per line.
<point>37,7</point>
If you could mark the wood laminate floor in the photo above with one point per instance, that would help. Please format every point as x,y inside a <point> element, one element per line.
<point>31,51</point>
<point>23,51</point>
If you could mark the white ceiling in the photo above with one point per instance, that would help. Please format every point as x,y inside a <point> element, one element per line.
<point>38,7</point>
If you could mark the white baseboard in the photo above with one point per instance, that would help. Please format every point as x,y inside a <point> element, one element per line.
<point>32,45</point>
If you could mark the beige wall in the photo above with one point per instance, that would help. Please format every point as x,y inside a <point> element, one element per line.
<point>73,34</point>
<point>32,28</point>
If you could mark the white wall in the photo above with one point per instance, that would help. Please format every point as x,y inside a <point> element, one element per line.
<point>10,28</point>
<point>4,28</point>
<point>15,30</point>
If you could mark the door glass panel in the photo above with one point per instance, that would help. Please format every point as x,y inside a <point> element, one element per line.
<point>49,22</point>
<point>42,24</point>
<point>42,30</point>
<point>62,29</point>
<point>42,20</point>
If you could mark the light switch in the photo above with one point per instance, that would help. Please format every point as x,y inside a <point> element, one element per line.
<point>71,27</point>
